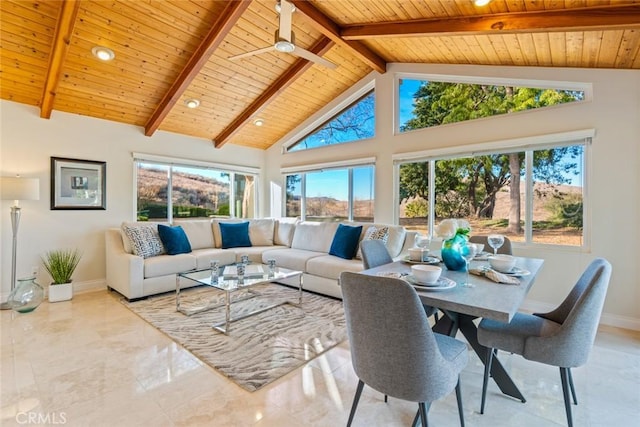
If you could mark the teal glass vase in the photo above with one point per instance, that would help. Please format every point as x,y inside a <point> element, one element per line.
<point>26,296</point>
<point>452,251</point>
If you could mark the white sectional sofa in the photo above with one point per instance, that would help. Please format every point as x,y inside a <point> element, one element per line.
<point>296,245</point>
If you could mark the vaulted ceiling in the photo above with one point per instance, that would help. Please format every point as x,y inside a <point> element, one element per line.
<point>167,52</point>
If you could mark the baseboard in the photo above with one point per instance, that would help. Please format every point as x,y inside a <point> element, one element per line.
<point>89,285</point>
<point>614,320</point>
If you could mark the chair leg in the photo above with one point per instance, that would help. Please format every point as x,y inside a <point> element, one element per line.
<point>423,414</point>
<point>573,389</point>
<point>485,380</point>
<point>564,377</point>
<point>386,398</point>
<point>354,405</point>
<point>459,399</point>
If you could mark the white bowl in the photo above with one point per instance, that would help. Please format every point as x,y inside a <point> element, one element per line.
<point>502,263</point>
<point>426,273</point>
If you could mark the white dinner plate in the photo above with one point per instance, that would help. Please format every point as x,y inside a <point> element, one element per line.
<point>429,260</point>
<point>441,284</point>
<point>516,272</point>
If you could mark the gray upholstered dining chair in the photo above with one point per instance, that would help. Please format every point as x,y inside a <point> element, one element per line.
<point>563,337</point>
<point>393,348</point>
<point>504,249</point>
<point>375,254</point>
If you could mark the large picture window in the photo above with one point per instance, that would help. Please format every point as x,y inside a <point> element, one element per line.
<point>354,123</point>
<point>533,195</point>
<point>425,103</point>
<point>171,191</point>
<point>331,194</point>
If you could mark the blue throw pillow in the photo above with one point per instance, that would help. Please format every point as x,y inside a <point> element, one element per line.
<point>345,241</point>
<point>174,239</point>
<point>235,235</point>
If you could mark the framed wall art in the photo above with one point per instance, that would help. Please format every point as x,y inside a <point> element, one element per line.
<point>78,184</point>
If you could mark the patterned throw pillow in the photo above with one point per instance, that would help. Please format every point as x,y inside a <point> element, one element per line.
<point>144,239</point>
<point>374,233</point>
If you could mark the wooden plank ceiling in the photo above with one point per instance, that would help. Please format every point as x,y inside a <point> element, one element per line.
<point>169,51</point>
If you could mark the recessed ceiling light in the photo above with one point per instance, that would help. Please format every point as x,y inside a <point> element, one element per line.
<point>258,122</point>
<point>481,3</point>
<point>103,53</point>
<point>192,103</point>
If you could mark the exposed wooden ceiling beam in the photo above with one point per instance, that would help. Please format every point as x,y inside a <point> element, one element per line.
<point>285,80</point>
<point>581,19</point>
<point>326,26</point>
<point>227,19</point>
<point>61,39</point>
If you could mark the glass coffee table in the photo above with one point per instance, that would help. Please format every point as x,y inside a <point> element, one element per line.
<point>230,284</point>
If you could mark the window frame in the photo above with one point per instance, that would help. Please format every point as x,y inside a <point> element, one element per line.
<point>527,145</point>
<point>350,165</point>
<point>331,112</point>
<point>587,88</point>
<point>172,162</point>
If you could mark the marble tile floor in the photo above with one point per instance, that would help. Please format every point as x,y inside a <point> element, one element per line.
<point>92,362</point>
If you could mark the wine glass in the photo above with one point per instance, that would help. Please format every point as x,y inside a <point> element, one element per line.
<point>468,254</point>
<point>495,241</point>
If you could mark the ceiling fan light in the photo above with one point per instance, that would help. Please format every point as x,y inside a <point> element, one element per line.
<point>103,53</point>
<point>192,103</point>
<point>284,46</point>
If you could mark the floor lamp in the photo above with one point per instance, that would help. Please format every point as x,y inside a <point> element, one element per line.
<point>16,189</point>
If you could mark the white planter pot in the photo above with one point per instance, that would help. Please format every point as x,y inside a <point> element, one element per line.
<point>63,292</point>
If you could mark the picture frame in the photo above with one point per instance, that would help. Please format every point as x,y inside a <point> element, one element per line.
<point>78,184</point>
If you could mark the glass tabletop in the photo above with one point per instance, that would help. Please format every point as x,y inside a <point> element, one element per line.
<point>254,275</point>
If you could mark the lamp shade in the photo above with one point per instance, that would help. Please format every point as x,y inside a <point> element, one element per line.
<point>13,188</point>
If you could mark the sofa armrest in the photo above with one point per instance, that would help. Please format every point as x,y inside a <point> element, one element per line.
<point>125,272</point>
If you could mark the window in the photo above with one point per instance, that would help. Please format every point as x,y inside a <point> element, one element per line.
<point>331,194</point>
<point>425,103</point>
<point>169,191</point>
<point>533,195</point>
<point>354,123</point>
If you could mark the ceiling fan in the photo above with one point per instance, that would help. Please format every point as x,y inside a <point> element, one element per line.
<point>285,40</point>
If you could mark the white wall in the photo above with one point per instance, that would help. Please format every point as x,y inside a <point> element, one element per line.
<point>614,177</point>
<point>27,144</point>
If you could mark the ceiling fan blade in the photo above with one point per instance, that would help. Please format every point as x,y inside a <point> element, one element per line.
<point>253,52</point>
<point>286,12</point>
<point>303,53</point>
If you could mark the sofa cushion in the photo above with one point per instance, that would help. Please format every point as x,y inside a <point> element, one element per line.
<point>143,239</point>
<point>345,241</point>
<point>330,267</point>
<point>314,236</point>
<point>293,259</point>
<point>204,257</point>
<point>164,264</point>
<point>261,231</point>
<point>198,232</point>
<point>174,239</point>
<point>374,232</point>
<point>235,235</point>
<point>283,233</point>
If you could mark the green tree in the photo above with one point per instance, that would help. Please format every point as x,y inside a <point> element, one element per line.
<point>481,178</point>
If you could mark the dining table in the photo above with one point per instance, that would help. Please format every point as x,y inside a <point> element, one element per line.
<point>462,305</point>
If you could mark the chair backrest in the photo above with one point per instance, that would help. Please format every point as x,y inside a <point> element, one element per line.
<point>504,249</point>
<point>374,253</point>
<point>579,315</point>
<point>392,346</point>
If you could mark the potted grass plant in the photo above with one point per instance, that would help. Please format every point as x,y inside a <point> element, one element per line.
<point>60,264</point>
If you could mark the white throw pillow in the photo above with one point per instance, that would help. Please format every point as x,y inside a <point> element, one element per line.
<point>144,239</point>
<point>374,233</point>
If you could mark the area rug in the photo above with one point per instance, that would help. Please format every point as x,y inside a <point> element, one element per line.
<point>258,349</point>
